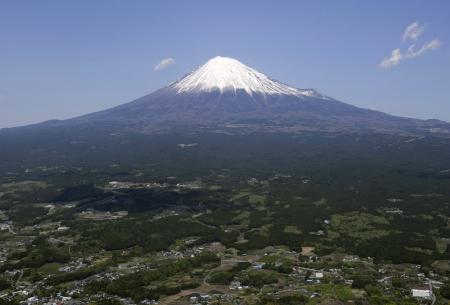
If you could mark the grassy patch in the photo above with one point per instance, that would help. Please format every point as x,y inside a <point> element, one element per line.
<point>23,186</point>
<point>252,198</point>
<point>239,196</point>
<point>257,199</point>
<point>341,292</point>
<point>292,229</point>
<point>50,268</point>
<point>362,226</point>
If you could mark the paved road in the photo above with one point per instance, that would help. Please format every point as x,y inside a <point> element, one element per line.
<point>433,296</point>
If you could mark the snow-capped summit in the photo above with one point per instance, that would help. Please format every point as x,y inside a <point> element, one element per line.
<point>224,73</point>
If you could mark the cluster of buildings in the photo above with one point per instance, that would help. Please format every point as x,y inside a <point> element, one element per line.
<point>189,252</point>
<point>63,299</point>
<point>100,215</point>
<point>7,225</point>
<point>117,185</point>
<point>76,264</point>
<point>222,298</point>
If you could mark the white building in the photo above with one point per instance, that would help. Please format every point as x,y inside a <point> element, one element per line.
<point>421,293</point>
<point>62,228</point>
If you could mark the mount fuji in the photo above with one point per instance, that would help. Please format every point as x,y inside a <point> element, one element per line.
<point>228,95</point>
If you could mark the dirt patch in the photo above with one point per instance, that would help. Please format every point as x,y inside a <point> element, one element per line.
<point>307,251</point>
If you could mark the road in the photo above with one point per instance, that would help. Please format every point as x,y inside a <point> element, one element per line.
<point>20,277</point>
<point>433,296</point>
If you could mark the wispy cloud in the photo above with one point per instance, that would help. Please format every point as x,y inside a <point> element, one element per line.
<point>166,62</point>
<point>393,60</point>
<point>397,56</point>
<point>432,45</point>
<point>413,31</point>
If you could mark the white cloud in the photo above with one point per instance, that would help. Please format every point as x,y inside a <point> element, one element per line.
<point>413,31</point>
<point>164,64</point>
<point>393,60</point>
<point>397,56</point>
<point>432,45</point>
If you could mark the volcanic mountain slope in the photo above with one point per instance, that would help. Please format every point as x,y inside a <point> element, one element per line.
<point>224,93</point>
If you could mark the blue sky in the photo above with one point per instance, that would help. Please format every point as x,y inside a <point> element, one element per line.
<point>59,59</point>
